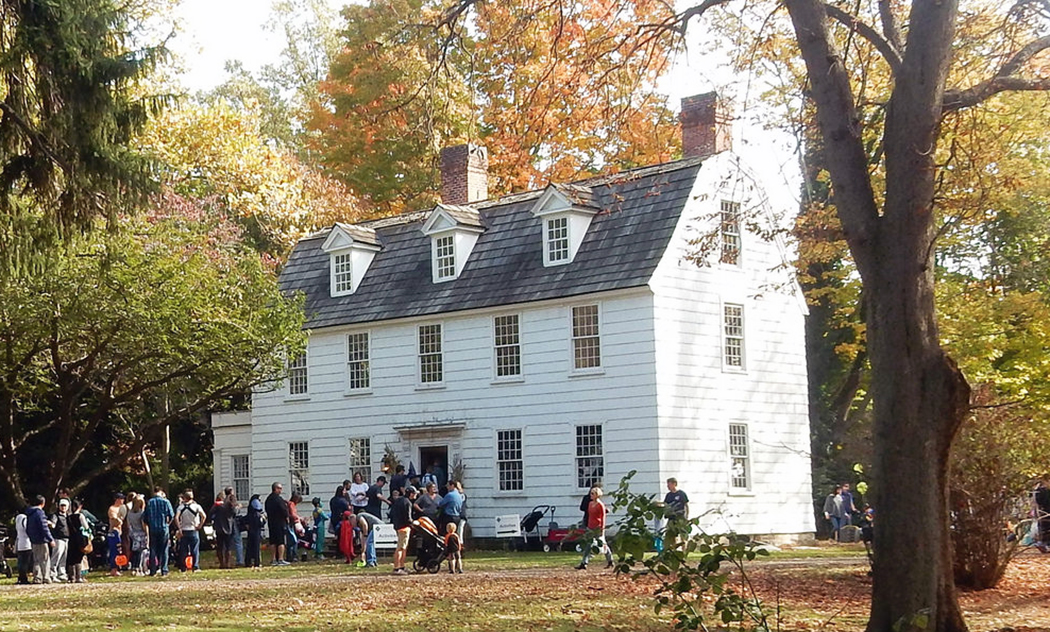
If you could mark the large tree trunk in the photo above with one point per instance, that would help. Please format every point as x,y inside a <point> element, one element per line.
<point>920,401</point>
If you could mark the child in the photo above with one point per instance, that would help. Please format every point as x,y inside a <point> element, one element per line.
<point>320,518</point>
<point>346,536</point>
<point>454,547</point>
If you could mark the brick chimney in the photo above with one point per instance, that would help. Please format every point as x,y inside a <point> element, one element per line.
<point>464,174</point>
<point>706,125</point>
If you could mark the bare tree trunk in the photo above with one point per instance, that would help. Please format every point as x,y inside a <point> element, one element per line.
<point>920,401</point>
<point>165,457</point>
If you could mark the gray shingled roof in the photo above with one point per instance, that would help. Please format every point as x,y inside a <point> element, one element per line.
<point>626,239</point>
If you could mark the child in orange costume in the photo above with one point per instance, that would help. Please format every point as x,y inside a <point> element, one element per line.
<point>346,536</point>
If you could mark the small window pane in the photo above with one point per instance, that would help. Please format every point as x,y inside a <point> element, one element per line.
<point>740,459</point>
<point>557,239</point>
<point>241,477</point>
<point>590,461</point>
<point>298,382</point>
<point>445,257</point>
<point>342,274</point>
<point>730,233</point>
<point>431,368</point>
<point>358,369</point>
<point>586,343</point>
<point>509,462</point>
<point>299,466</point>
<point>360,460</point>
<point>507,347</point>
<point>733,328</point>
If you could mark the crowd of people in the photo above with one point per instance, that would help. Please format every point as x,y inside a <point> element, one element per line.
<point>841,511</point>
<point>146,536</point>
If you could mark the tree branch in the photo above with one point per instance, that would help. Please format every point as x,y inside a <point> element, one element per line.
<point>855,24</point>
<point>1006,80</point>
<point>889,24</point>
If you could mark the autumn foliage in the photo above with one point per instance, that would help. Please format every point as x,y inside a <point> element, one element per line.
<point>553,94</point>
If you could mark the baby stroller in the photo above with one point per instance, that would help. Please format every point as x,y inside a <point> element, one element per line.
<point>532,540</point>
<point>4,567</point>
<point>430,547</point>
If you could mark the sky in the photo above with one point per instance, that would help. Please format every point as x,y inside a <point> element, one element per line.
<point>215,31</point>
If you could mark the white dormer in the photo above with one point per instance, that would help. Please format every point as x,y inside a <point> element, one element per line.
<point>453,231</point>
<point>350,251</point>
<point>566,211</point>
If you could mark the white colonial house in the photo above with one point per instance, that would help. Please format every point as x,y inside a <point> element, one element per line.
<point>546,341</point>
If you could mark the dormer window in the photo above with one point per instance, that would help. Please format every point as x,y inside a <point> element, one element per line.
<point>342,274</point>
<point>566,211</point>
<point>350,251</point>
<point>453,231</point>
<point>557,240</point>
<point>445,257</point>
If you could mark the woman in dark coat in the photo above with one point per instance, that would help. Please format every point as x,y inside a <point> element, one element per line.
<point>256,522</point>
<point>75,557</point>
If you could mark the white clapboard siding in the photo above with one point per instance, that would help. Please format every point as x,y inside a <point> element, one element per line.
<point>546,404</point>
<point>698,400</point>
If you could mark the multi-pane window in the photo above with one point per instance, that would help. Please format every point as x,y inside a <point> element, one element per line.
<point>431,370</point>
<point>299,467</point>
<point>557,239</point>
<point>740,458</point>
<point>586,347</point>
<point>445,257</point>
<point>297,375</point>
<point>729,230</point>
<point>360,460</point>
<point>358,369</point>
<point>242,486</point>
<point>507,342</point>
<point>342,278</point>
<point>510,466</point>
<point>733,335</point>
<point>590,463</point>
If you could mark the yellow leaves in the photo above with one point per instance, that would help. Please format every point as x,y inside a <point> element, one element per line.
<point>217,150</point>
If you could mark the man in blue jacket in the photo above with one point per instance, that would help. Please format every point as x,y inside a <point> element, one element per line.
<point>40,536</point>
<point>451,507</point>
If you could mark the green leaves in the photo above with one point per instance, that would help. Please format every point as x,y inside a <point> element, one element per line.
<point>693,566</point>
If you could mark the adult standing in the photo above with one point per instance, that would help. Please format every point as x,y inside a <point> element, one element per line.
<point>1041,500</point>
<point>398,481</point>
<point>158,515</point>
<point>358,492</point>
<point>848,506</point>
<point>596,528</point>
<point>401,519</point>
<point>676,501</point>
<point>114,536</point>
<point>338,507</point>
<point>451,507</point>
<point>256,522</point>
<point>23,547</point>
<point>224,519</point>
<point>238,544</point>
<point>60,531</point>
<point>138,534</point>
<point>427,502</point>
<point>439,474</point>
<point>40,537</point>
<point>277,518</point>
<point>834,511</point>
<point>189,517</point>
<point>375,497</point>
<point>295,527</point>
<point>79,537</point>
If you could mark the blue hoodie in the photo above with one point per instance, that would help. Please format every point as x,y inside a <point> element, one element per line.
<point>36,526</point>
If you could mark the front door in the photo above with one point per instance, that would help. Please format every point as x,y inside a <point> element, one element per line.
<point>435,458</point>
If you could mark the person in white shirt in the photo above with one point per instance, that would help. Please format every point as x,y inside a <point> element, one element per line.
<point>23,548</point>
<point>189,516</point>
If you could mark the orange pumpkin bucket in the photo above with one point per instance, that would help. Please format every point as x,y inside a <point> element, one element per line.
<point>121,560</point>
<point>188,562</point>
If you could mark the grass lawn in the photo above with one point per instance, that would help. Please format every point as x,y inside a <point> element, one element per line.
<point>500,592</point>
